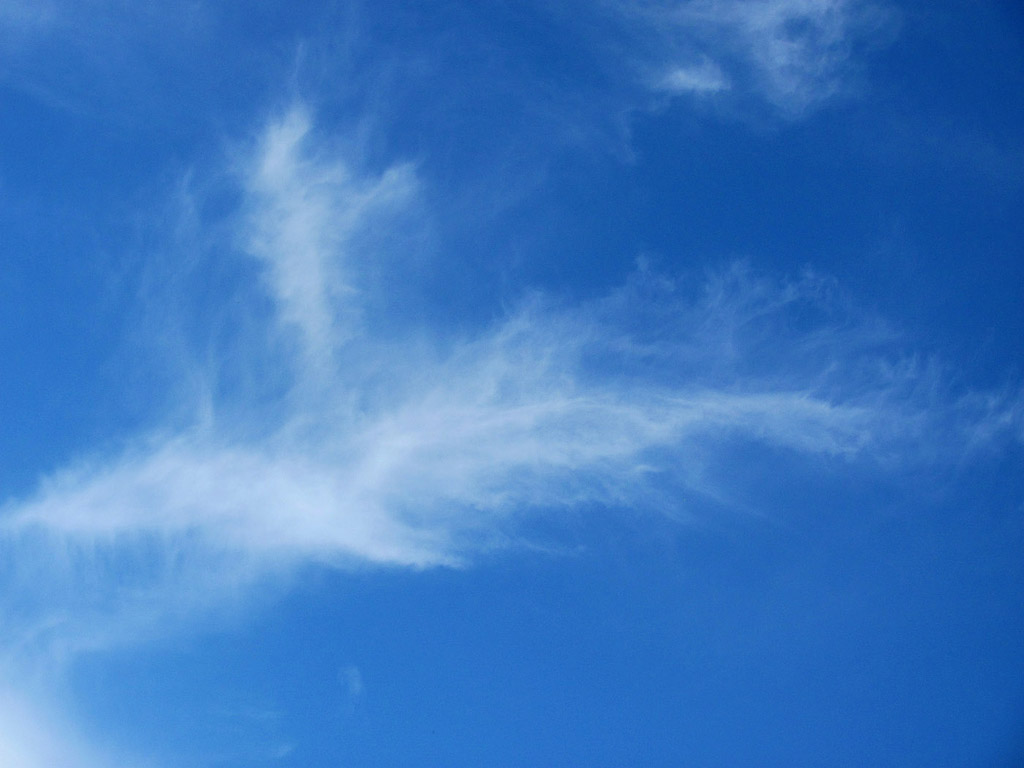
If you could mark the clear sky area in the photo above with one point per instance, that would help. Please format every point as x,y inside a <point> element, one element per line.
<point>511,383</point>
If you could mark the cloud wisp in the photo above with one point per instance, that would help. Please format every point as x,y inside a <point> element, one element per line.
<point>793,54</point>
<point>303,214</point>
<point>421,453</point>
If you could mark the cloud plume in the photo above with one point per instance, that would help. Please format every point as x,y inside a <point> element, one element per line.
<point>426,453</point>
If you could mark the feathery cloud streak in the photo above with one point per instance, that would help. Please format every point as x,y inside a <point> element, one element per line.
<point>795,54</point>
<point>417,454</point>
<point>304,213</point>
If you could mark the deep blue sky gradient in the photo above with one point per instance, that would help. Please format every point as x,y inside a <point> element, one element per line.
<point>749,602</point>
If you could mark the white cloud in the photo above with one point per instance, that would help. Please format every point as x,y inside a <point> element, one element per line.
<point>419,455</point>
<point>304,213</point>
<point>795,54</point>
<point>706,77</point>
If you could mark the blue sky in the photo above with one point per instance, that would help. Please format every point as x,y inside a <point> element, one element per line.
<point>485,383</point>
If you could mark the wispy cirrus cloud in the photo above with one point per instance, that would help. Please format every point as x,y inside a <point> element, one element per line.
<point>303,214</point>
<point>794,54</point>
<point>379,452</point>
